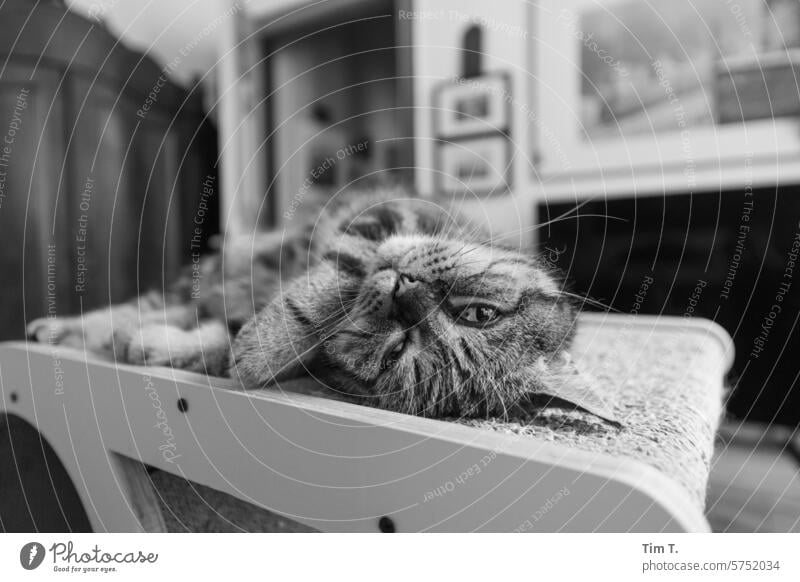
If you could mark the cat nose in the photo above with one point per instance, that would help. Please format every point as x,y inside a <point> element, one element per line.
<point>404,284</point>
<point>406,304</point>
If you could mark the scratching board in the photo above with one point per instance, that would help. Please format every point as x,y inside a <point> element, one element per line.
<point>291,459</point>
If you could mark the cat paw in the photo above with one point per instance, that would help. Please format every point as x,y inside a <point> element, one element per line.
<point>155,346</point>
<point>140,354</point>
<point>39,329</point>
<point>55,331</point>
<point>139,349</point>
<point>120,344</point>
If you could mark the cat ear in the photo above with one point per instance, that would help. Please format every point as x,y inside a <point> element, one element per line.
<point>560,378</point>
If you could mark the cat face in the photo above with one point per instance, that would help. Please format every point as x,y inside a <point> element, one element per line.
<point>440,327</point>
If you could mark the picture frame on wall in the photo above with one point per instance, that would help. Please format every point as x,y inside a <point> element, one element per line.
<point>720,56</point>
<point>468,107</point>
<point>472,121</point>
<point>629,101</point>
<point>765,87</point>
<point>476,166</point>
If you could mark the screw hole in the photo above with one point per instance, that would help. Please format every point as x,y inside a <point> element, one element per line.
<point>14,397</point>
<point>183,404</point>
<point>386,525</point>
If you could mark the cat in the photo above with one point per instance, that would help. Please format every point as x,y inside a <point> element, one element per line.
<point>386,298</point>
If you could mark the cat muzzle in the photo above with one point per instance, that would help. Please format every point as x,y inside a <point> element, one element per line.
<point>409,300</point>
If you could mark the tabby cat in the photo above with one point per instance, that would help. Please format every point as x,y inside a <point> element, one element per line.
<point>388,299</point>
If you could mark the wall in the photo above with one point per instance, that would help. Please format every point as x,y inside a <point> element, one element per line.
<point>437,37</point>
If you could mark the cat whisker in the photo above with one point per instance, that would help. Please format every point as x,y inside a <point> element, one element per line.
<point>575,208</point>
<point>589,300</point>
<point>503,404</point>
<point>537,226</point>
<point>557,220</point>
<point>320,326</point>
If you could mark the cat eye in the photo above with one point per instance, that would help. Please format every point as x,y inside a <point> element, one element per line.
<point>477,313</point>
<point>399,347</point>
<point>394,353</point>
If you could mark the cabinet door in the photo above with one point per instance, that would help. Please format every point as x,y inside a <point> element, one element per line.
<point>155,152</point>
<point>125,190</point>
<point>102,218</point>
<point>33,261</point>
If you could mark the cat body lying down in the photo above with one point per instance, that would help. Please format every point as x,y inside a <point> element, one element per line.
<point>385,298</point>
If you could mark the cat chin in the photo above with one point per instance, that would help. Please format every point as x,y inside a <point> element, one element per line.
<point>425,400</point>
<point>437,397</point>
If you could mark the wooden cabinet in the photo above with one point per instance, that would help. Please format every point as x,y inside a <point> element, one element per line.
<point>103,168</point>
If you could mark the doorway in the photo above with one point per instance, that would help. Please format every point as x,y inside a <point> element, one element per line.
<point>339,113</point>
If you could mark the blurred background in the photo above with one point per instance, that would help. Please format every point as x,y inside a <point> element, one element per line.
<point>649,150</point>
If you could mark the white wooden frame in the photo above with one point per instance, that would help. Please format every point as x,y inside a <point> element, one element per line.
<point>328,464</point>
